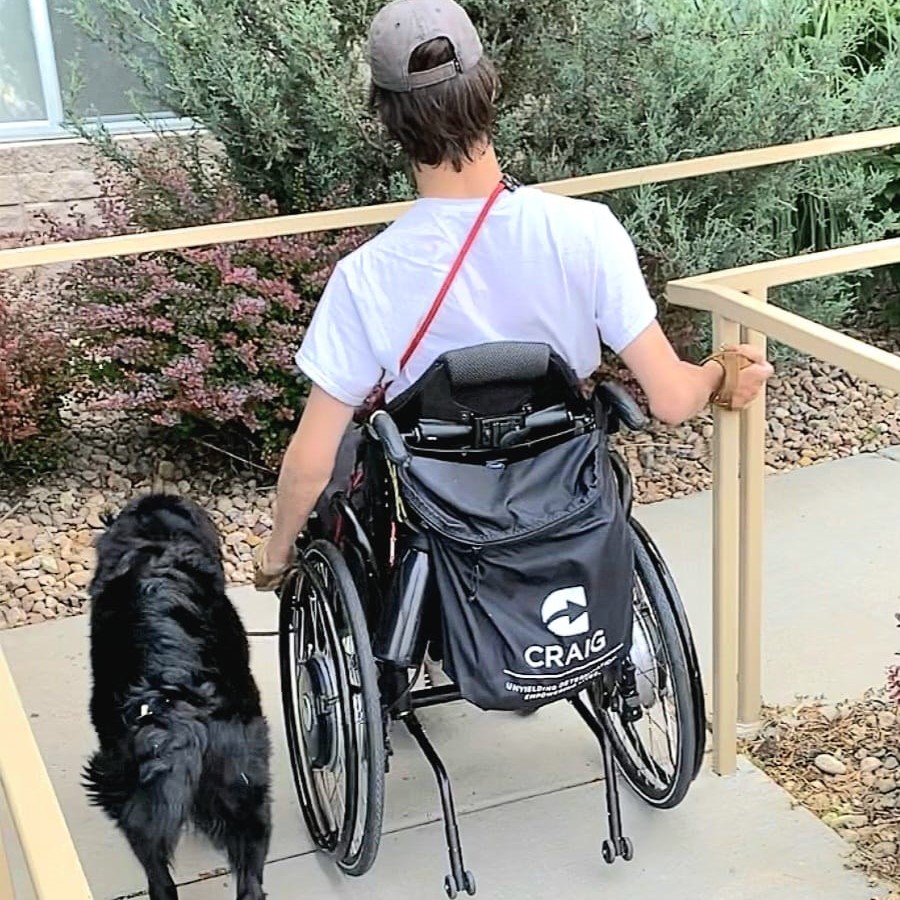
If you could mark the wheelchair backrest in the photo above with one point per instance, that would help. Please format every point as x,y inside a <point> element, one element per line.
<point>497,465</point>
<point>505,378</point>
<point>486,364</point>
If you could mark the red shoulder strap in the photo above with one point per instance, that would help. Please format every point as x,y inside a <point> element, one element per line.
<point>451,275</point>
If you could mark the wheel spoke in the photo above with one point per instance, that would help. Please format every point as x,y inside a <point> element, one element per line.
<point>316,626</point>
<point>302,637</point>
<point>655,729</point>
<point>320,786</point>
<point>668,730</point>
<point>652,676</point>
<point>334,795</point>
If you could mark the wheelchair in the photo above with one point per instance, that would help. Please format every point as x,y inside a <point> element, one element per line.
<point>358,614</point>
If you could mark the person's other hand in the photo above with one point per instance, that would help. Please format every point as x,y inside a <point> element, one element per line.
<point>752,377</point>
<point>270,565</point>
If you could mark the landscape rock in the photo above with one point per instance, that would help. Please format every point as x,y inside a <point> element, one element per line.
<point>830,765</point>
<point>850,821</point>
<point>863,803</point>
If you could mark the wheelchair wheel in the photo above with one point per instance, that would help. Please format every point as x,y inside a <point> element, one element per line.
<point>660,753</point>
<point>332,708</point>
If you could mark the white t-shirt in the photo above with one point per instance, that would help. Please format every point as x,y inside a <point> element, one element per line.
<point>543,268</point>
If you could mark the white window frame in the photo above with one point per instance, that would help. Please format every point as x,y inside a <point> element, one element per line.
<point>54,123</point>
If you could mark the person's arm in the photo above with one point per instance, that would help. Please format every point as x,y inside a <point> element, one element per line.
<point>677,390</point>
<point>626,319</point>
<point>337,358</point>
<point>305,473</point>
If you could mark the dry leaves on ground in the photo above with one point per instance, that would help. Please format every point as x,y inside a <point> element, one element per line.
<point>843,763</point>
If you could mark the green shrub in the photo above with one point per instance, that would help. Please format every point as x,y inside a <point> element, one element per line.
<point>589,86</point>
<point>716,76</point>
<point>280,85</point>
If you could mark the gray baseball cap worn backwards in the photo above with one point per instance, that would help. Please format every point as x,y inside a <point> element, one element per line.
<point>402,26</point>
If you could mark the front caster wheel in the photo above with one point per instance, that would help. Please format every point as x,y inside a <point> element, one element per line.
<point>609,853</point>
<point>626,849</point>
<point>452,887</point>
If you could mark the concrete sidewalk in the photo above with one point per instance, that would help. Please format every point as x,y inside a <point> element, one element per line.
<point>533,810</point>
<point>831,582</point>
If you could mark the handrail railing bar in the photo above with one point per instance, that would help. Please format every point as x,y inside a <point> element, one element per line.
<point>50,854</point>
<point>732,161</point>
<point>838,261</point>
<point>330,220</point>
<point>861,359</point>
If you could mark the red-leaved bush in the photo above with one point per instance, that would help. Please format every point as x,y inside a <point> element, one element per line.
<point>34,371</point>
<point>204,336</point>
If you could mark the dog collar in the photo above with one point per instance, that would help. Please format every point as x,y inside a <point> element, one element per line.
<point>148,713</point>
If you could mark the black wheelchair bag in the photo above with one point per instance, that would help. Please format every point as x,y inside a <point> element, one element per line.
<point>533,568</point>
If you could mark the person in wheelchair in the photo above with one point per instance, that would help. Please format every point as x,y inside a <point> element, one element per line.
<point>459,338</point>
<point>543,268</point>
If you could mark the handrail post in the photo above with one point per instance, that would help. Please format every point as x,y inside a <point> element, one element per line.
<point>6,882</point>
<point>752,474</point>
<point>726,570</point>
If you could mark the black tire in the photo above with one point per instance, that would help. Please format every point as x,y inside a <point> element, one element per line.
<point>668,677</point>
<point>332,707</point>
<point>667,580</point>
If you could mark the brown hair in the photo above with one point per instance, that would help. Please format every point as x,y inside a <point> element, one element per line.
<point>444,123</point>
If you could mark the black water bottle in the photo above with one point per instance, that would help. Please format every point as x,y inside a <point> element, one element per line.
<point>400,639</point>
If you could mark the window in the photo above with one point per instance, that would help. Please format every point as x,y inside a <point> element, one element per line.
<point>21,94</point>
<point>39,44</point>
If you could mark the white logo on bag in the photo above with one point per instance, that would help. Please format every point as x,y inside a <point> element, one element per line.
<point>557,612</point>
<point>565,614</point>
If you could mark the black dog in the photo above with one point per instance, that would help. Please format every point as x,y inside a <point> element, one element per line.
<point>175,707</point>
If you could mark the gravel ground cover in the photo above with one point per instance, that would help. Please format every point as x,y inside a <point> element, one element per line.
<point>815,413</point>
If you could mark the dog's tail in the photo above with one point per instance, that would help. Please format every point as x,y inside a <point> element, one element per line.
<point>159,772</point>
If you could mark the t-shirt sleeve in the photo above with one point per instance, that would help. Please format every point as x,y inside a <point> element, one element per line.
<point>336,353</point>
<point>624,307</point>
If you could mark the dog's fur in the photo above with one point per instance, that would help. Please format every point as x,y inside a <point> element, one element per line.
<point>175,707</point>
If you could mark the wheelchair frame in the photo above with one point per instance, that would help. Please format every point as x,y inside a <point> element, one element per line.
<point>400,700</point>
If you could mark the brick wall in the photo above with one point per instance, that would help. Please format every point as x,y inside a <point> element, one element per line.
<point>44,175</point>
<point>56,176</point>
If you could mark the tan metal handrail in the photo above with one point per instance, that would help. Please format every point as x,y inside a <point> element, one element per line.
<point>358,217</point>
<point>50,855</point>
<point>53,864</point>
<point>737,300</point>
